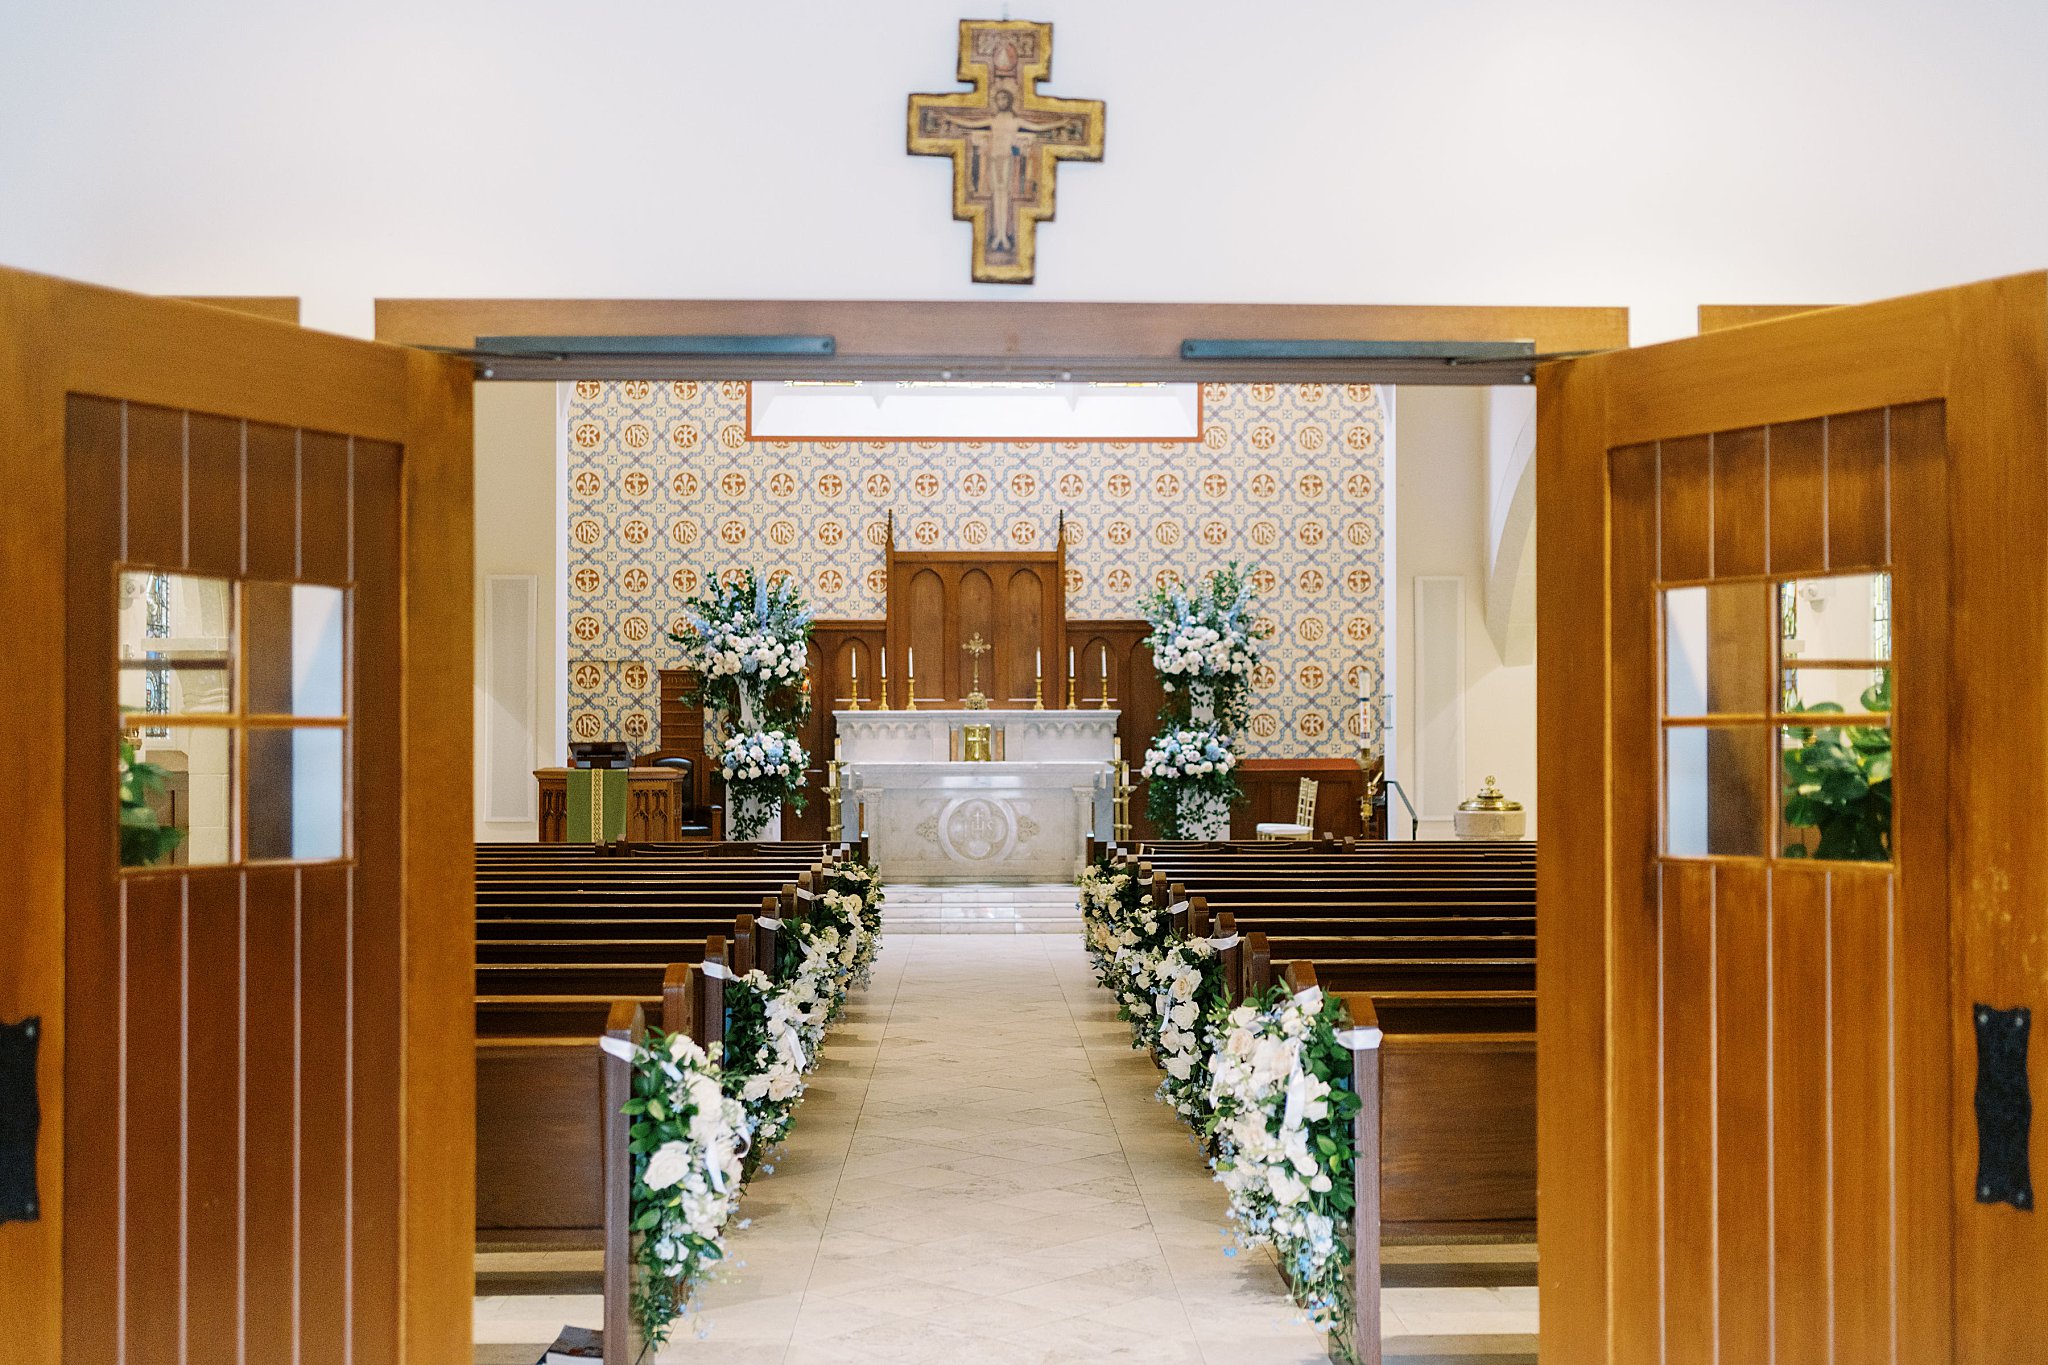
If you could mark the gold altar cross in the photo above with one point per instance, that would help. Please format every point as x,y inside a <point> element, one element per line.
<point>977,647</point>
<point>1006,141</point>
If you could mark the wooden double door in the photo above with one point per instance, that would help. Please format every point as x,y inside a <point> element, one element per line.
<point>245,548</point>
<point>1793,728</point>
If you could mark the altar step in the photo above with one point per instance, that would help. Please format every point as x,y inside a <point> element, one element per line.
<point>979,908</point>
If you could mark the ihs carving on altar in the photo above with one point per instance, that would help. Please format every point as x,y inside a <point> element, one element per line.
<point>977,647</point>
<point>1006,141</point>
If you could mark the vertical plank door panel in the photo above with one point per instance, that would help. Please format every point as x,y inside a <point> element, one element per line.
<point>1686,519</point>
<point>1690,1160</point>
<point>1741,502</point>
<point>152,1113</point>
<point>1742,1040</point>
<point>1801,1136</point>
<point>1862,1033</point>
<point>1799,497</point>
<point>213,1155</point>
<point>1859,495</point>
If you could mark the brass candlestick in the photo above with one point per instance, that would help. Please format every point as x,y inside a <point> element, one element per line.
<point>910,686</point>
<point>1038,692</point>
<point>1073,702</point>
<point>1103,705</point>
<point>853,703</point>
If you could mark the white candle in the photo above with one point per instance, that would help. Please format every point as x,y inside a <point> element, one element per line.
<point>856,666</point>
<point>885,663</point>
<point>910,658</point>
<point>1038,663</point>
<point>1070,661</point>
<point>1105,663</point>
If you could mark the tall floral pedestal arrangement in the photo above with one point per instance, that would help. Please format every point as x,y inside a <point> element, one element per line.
<point>1204,645</point>
<point>749,640</point>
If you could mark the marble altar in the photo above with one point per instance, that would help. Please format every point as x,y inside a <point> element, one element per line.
<point>1023,818</point>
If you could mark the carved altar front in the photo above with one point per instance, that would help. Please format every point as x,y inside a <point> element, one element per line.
<point>1026,818</point>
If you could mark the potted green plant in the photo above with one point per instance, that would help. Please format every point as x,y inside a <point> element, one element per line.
<point>1838,783</point>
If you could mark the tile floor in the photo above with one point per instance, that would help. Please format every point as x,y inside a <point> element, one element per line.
<point>980,1173</point>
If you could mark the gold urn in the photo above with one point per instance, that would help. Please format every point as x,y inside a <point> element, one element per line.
<point>1490,815</point>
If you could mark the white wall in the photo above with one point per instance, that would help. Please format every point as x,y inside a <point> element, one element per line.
<point>1441,528</point>
<point>1584,151</point>
<point>519,531</point>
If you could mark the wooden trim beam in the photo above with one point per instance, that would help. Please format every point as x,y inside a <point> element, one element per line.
<point>979,338</point>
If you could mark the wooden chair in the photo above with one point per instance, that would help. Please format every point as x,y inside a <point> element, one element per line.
<point>1304,826</point>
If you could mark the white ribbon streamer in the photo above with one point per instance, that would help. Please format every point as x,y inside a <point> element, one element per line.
<point>1224,944</point>
<point>806,894</point>
<point>1297,1099</point>
<point>717,971</point>
<point>768,921</point>
<point>1359,1039</point>
<point>617,1047</point>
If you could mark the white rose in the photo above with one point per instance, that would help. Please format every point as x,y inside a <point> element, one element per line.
<point>670,1163</point>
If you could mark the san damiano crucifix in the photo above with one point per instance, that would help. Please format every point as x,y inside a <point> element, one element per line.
<point>1006,141</point>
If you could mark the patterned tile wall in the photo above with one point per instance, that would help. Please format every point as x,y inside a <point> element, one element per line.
<point>665,488</point>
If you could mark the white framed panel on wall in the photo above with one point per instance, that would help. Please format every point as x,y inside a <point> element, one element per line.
<point>510,687</point>
<point>1439,696</point>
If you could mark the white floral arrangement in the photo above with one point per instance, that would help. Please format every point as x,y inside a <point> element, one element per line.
<point>767,1051</point>
<point>762,756</point>
<point>689,1142</point>
<point>1208,633</point>
<point>749,629</point>
<point>1188,755</point>
<point>1188,986</point>
<point>1185,648</point>
<point>1126,934</point>
<point>1282,1120</point>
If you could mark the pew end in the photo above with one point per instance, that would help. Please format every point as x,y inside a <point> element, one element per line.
<point>676,991</point>
<point>1233,958</point>
<point>622,1342</point>
<point>1365,1218</point>
<point>1258,965</point>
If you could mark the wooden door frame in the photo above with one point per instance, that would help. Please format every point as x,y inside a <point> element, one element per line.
<point>1983,351</point>
<point>58,338</point>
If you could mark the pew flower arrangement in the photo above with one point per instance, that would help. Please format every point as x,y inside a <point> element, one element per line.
<point>1189,982</point>
<point>1283,1111</point>
<point>859,882</point>
<point>688,1139</point>
<point>765,1056</point>
<point>1205,645</point>
<point>1126,935</point>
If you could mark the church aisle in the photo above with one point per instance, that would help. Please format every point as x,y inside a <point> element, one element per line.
<point>979,1172</point>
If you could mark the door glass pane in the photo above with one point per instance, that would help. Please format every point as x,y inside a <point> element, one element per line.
<point>1844,618</point>
<point>177,803</point>
<point>1854,689</point>
<point>1717,790</point>
<point>297,793</point>
<point>175,647</point>
<point>1717,642</point>
<point>295,648</point>
<point>1837,792</point>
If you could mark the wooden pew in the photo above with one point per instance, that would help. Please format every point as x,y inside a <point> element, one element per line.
<point>564,932</point>
<point>1446,1132</point>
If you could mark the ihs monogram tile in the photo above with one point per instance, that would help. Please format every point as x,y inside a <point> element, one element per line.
<point>665,487</point>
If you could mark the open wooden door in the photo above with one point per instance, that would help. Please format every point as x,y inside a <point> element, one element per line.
<point>1764,953</point>
<point>241,549</point>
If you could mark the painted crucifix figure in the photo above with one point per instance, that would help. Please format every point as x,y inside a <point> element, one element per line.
<point>1005,140</point>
